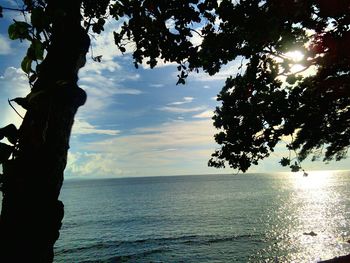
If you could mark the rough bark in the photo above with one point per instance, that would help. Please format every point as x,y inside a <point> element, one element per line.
<point>31,212</point>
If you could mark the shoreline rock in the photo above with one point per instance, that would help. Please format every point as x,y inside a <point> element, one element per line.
<point>341,259</point>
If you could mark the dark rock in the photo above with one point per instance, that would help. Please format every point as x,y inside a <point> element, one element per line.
<point>311,233</point>
<point>342,259</point>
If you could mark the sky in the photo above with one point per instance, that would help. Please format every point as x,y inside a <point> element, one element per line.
<point>136,122</point>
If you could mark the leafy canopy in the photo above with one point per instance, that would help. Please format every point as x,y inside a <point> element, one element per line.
<point>273,98</point>
<point>294,78</point>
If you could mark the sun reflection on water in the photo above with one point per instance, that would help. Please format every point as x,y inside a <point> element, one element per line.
<point>314,180</point>
<point>318,209</point>
<point>309,221</point>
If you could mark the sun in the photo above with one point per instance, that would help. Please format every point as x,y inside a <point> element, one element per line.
<point>295,56</point>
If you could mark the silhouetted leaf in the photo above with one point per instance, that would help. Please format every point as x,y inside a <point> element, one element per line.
<point>5,152</point>
<point>19,30</point>
<point>10,132</point>
<point>181,81</point>
<point>33,77</point>
<point>98,26</point>
<point>97,58</point>
<point>291,79</point>
<point>26,64</point>
<point>38,50</point>
<point>22,102</point>
<point>39,19</point>
<point>285,161</point>
<point>295,167</point>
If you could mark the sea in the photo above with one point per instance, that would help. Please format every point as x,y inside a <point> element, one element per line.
<point>277,217</point>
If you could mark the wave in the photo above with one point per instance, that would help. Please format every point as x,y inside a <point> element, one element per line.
<point>253,237</point>
<point>199,239</point>
<point>125,258</point>
<point>161,244</point>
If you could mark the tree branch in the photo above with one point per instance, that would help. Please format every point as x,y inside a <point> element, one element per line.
<point>193,30</point>
<point>14,9</point>
<point>14,109</point>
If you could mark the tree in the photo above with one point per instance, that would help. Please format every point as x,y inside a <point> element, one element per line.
<point>272,99</point>
<point>259,106</point>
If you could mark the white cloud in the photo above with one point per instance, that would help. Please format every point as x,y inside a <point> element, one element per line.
<point>181,110</point>
<point>176,147</point>
<point>174,135</point>
<point>83,127</point>
<point>230,69</point>
<point>93,164</point>
<point>5,47</point>
<point>14,74</point>
<point>103,44</point>
<point>188,99</point>
<point>13,84</point>
<point>196,39</point>
<point>133,77</point>
<point>99,67</point>
<point>101,90</point>
<point>128,91</point>
<point>184,101</point>
<point>160,63</point>
<point>156,85</point>
<point>204,115</point>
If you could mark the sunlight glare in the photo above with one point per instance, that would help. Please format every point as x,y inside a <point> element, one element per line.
<point>314,180</point>
<point>296,68</point>
<point>315,213</point>
<point>295,56</point>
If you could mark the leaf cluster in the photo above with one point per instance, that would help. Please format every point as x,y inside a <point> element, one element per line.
<point>9,132</point>
<point>159,29</point>
<point>37,31</point>
<point>269,102</point>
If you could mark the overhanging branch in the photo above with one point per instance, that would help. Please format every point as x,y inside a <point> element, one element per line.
<point>14,9</point>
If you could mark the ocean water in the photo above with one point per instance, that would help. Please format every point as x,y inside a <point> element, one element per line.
<point>208,218</point>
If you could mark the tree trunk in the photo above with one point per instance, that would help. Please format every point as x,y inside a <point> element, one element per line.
<point>31,212</point>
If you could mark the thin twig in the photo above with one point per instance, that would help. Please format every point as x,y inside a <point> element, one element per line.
<point>14,109</point>
<point>46,35</point>
<point>193,30</point>
<point>14,9</point>
<point>88,25</point>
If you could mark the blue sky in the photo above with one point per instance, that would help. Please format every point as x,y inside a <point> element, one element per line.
<point>136,122</point>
